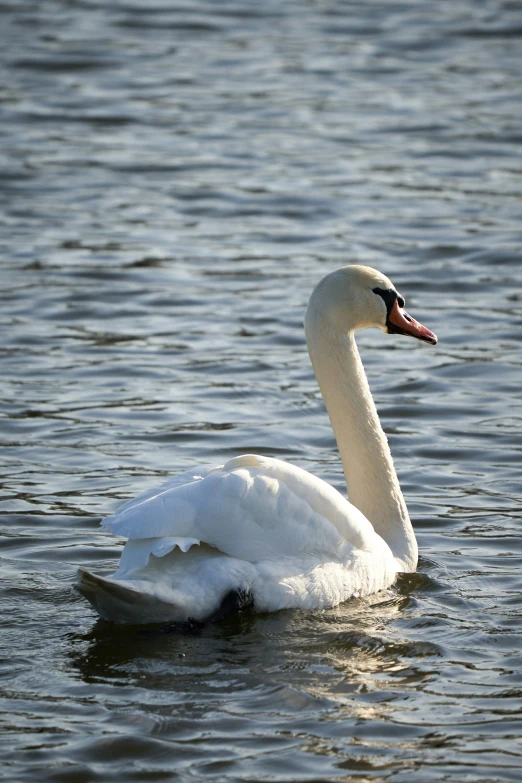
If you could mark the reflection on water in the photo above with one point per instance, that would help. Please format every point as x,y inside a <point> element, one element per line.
<point>174,181</point>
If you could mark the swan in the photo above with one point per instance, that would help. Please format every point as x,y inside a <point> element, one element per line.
<point>259,531</point>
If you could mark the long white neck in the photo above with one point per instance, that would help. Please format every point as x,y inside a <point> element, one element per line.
<point>373,486</point>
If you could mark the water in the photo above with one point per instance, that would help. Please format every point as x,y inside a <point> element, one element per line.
<point>175,178</point>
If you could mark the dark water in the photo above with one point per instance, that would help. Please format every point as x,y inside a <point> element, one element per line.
<point>174,180</point>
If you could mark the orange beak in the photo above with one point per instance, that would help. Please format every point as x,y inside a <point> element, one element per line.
<point>399,322</point>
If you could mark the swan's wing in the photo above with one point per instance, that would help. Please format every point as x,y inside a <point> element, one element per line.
<point>250,508</point>
<point>175,481</point>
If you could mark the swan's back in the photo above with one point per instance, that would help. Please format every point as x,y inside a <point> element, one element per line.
<point>250,508</point>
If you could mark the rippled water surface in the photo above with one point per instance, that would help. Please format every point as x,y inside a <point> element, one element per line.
<point>174,179</point>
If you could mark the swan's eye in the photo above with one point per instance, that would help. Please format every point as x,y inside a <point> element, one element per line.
<point>388,295</point>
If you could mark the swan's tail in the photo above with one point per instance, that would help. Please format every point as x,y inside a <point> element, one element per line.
<point>124,601</point>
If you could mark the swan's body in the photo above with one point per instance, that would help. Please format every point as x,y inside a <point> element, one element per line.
<point>266,527</point>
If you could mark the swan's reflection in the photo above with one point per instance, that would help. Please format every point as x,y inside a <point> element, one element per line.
<point>318,660</point>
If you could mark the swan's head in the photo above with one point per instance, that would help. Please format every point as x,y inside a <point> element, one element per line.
<point>356,297</point>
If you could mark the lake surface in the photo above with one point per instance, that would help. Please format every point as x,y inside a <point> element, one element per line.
<point>174,180</point>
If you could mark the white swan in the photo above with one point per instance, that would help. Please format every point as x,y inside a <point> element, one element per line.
<point>261,529</point>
